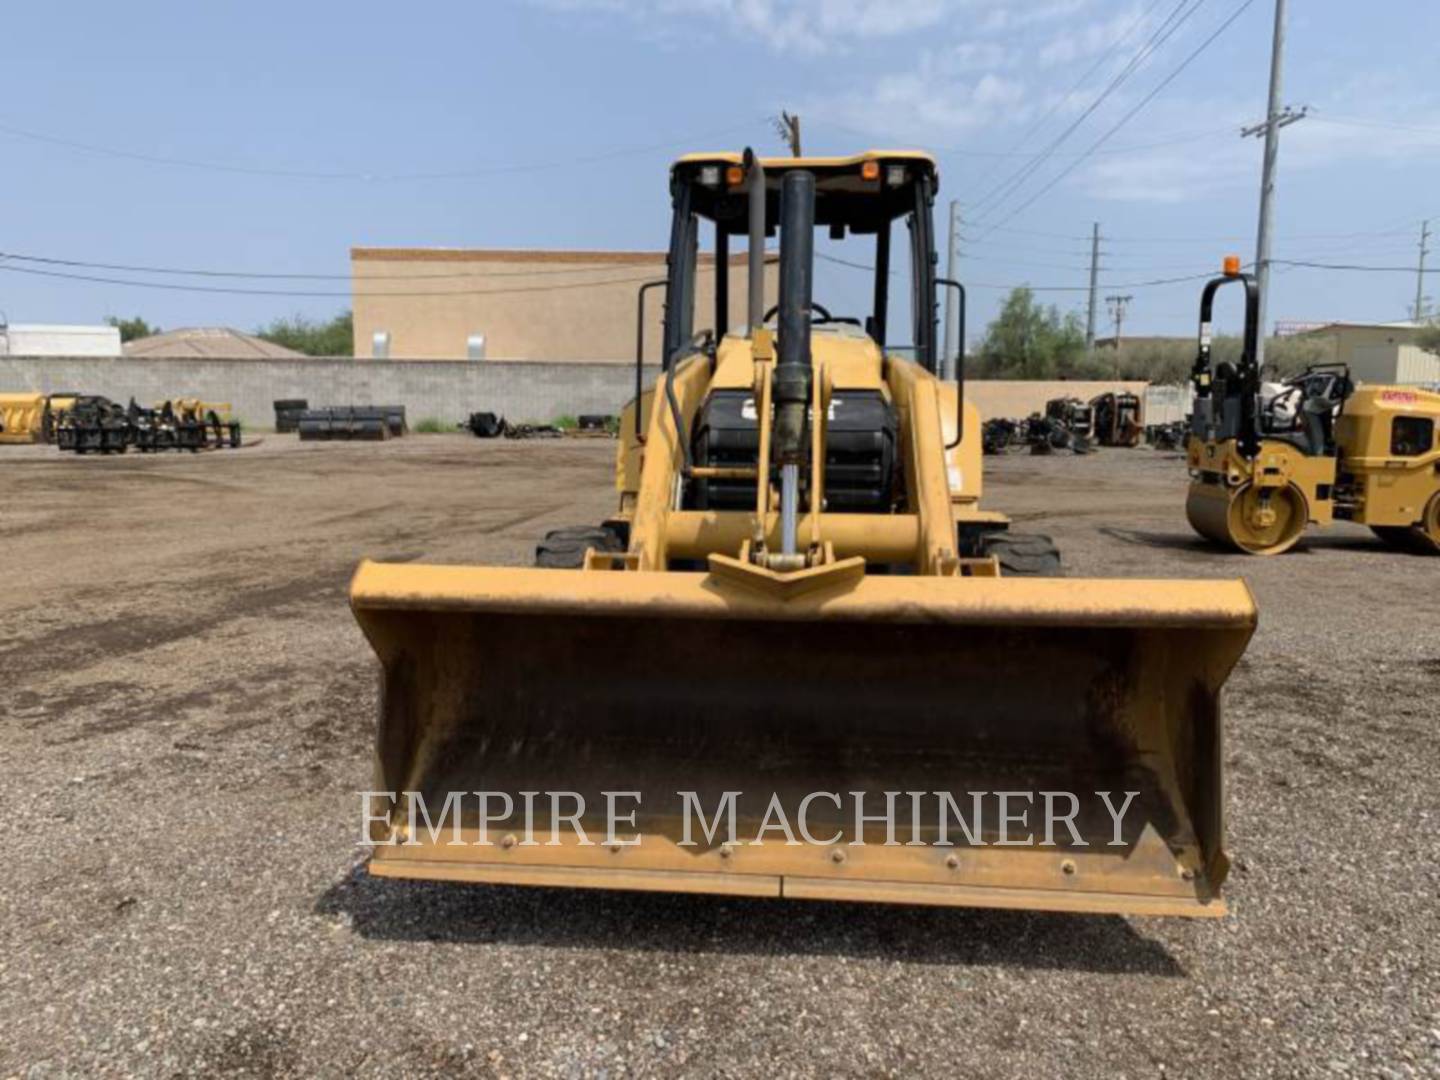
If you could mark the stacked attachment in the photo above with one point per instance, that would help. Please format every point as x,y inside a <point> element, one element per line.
<point>287,414</point>
<point>95,424</point>
<point>353,422</point>
<point>1067,424</point>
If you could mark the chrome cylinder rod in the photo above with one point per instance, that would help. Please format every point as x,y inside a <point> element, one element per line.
<point>789,507</point>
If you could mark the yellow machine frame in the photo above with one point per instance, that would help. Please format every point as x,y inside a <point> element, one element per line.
<point>736,650</point>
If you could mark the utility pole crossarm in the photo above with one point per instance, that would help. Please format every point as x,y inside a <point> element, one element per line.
<point>1117,315</point>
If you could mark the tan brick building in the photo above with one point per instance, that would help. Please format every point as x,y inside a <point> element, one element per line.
<point>439,303</point>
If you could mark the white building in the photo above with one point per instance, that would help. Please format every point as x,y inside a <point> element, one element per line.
<point>1383,353</point>
<point>50,339</point>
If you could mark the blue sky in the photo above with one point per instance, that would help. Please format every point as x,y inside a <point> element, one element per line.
<point>307,125</point>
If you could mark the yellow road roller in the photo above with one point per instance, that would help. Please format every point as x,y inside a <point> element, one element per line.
<point>799,659</point>
<point>1263,468</point>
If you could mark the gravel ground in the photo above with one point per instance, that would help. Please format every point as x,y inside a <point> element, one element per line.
<point>187,705</point>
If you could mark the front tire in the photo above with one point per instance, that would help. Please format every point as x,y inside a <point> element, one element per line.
<point>1422,538</point>
<point>564,549</point>
<point>1024,554</point>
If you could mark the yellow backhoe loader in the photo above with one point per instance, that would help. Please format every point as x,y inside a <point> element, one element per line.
<point>800,653</point>
<point>1320,450</point>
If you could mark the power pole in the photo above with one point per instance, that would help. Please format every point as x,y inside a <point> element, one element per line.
<point>1420,272</point>
<point>1094,284</point>
<point>1117,316</point>
<point>1275,119</point>
<point>948,365</point>
<point>788,128</point>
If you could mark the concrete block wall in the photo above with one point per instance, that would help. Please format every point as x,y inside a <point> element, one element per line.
<point>1019,398</point>
<point>445,390</point>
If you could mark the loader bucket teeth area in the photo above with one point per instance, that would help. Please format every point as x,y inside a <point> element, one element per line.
<point>501,680</point>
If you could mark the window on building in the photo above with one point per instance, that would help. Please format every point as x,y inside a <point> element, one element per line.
<point>1411,436</point>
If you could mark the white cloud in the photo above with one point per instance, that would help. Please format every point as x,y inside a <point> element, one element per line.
<point>983,56</point>
<point>816,27</point>
<point>936,100</point>
<point>1018,16</point>
<point>1226,162</point>
<point>805,26</point>
<point>1084,41</point>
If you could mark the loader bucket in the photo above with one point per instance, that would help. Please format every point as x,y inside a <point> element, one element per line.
<point>697,699</point>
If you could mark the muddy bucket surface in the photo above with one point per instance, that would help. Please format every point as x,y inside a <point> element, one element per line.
<point>925,740</point>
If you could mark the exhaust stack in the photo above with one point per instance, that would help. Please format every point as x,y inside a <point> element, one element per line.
<point>755,264</point>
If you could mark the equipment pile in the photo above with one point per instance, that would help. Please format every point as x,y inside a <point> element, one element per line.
<point>1000,434</point>
<point>287,414</point>
<point>350,422</point>
<point>486,425</point>
<point>93,423</point>
<point>1067,424</point>
<point>1169,436</point>
<point>1117,419</point>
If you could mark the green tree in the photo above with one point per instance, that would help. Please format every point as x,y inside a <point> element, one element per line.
<point>1429,338</point>
<point>1028,340</point>
<point>130,329</point>
<point>333,337</point>
<point>1169,362</point>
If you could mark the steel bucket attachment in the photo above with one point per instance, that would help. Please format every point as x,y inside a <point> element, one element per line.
<point>523,680</point>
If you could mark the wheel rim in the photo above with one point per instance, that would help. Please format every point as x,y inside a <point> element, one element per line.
<point>1249,534</point>
<point>1429,528</point>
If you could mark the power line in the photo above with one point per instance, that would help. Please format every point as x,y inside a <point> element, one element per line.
<point>1132,113</point>
<point>1345,121</point>
<point>1155,283</point>
<point>593,268</point>
<point>1172,23</point>
<point>1134,148</point>
<point>233,291</point>
<point>1029,232</point>
<point>369,177</point>
<point>185,272</point>
<point>1354,267</point>
<point>1026,263</point>
<point>969,152</point>
<point>1017,178</point>
<point>847,262</point>
<point>1104,58</point>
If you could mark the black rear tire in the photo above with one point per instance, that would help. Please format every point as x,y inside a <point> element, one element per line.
<point>1412,540</point>
<point>564,549</point>
<point>1024,554</point>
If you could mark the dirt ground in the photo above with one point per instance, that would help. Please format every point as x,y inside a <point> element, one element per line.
<point>187,706</point>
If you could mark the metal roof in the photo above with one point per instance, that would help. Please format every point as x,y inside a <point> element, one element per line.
<point>217,342</point>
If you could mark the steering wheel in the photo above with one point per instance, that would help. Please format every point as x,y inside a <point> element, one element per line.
<point>825,315</point>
